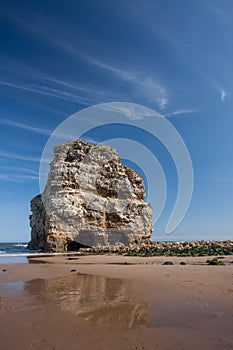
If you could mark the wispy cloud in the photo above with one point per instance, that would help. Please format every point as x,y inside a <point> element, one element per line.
<point>226,16</point>
<point>27,177</point>
<point>69,84</point>
<point>40,106</point>
<point>224,94</point>
<point>86,95</point>
<point>17,174</point>
<point>182,111</point>
<point>142,82</point>
<point>43,90</point>
<point>130,110</point>
<point>18,178</point>
<point>10,155</point>
<point>66,136</point>
<point>18,169</point>
<point>26,127</point>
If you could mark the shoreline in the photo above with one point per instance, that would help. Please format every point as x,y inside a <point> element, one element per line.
<point>108,299</point>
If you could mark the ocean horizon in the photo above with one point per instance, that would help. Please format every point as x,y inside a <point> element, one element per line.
<point>15,252</point>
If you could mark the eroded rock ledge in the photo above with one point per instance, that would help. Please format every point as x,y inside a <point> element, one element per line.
<point>90,199</point>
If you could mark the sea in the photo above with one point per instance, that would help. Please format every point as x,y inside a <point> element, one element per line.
<point>15,252</point>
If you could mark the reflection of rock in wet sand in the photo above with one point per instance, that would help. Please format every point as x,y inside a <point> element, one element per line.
<point>103,301</point>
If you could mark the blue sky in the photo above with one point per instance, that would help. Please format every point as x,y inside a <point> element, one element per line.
<point>58,57</point>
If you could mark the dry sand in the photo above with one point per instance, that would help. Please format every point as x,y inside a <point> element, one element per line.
<point>116,302</point>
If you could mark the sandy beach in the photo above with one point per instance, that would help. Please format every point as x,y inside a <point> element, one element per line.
<point>116,302</point>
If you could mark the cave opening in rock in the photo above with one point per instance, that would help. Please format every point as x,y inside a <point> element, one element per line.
<point>74,246</point>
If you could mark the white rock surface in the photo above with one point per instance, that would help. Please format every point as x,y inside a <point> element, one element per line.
<point>90,199</point>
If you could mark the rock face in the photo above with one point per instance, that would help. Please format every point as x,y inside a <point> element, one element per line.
<point>90,199</point>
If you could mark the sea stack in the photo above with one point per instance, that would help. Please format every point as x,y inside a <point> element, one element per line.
<point>90,199</point>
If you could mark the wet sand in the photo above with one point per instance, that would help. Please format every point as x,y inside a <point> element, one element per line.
<point>116,302</point>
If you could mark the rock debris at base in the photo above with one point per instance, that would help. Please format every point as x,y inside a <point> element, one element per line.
<point>144,247</point>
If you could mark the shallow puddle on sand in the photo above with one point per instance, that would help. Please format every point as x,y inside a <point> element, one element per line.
<point>103,301</point>
<point>121,304</point>
<point>53,311</point>
<point>12,288</point>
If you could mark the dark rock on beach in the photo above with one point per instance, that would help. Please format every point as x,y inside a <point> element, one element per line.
<point>168,263</point>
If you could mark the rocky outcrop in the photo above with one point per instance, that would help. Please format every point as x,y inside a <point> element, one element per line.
<point>144,247</point>
<point>90,199</point>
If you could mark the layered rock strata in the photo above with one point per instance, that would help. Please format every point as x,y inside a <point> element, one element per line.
<point>90,199</point>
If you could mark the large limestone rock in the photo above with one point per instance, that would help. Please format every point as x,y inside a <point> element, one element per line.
<point>90,199</point>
